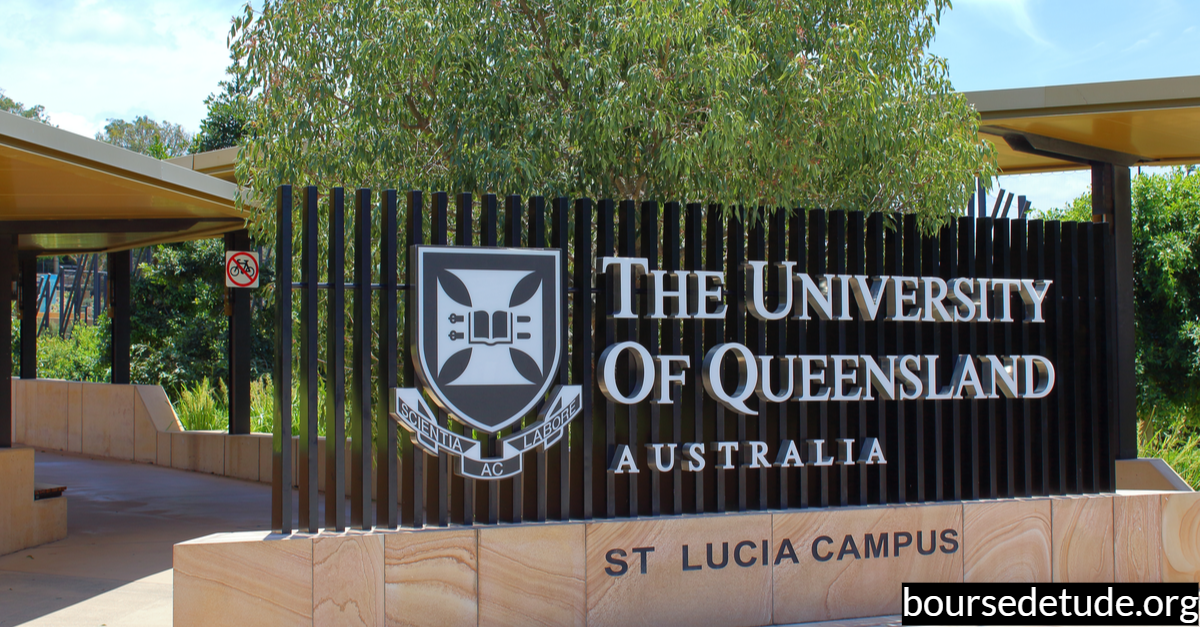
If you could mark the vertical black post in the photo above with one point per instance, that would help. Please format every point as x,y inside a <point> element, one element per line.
<point>8,259</point>
<point>437,488</point>
<point>360,377</point>
<point>818,335</point>
<point>487,496</point>
<point>239,345</point>
<point>672,345</point>
<point>714,333</point>
<point>838,422</point>
<point>754,484</point>
<point>29,311</point>
<point>386,511</point>
<point>462,489</point>
<point>856,264</point>
<point>309,462</point>
<point>693,343</point>
<point>118,275</point>
<point>606,333</point>
<point>649,489</point>
<point>777,340</point>
<point>894,434</point>
<point>511,490</point>
<point>876,341</point>
<point>582,437</point>
<point>558,458</point>
<point>335,366</point>
<point>535,470</point>
<point>281,441</point>
<point>1112,201</point>
<point>412,460</point>
<point>626,485</point>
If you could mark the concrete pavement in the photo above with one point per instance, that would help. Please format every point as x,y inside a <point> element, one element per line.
<point>114,567</point>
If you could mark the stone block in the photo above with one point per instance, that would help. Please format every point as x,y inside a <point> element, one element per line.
<point>241,456</point>
<point>183,451</point>
<point>46,414</point>
<point>108,420</point>
<point>74,417</point>
<point>1137,538</point>
<point>198,451</point>
<point>158,408</point>
<point>1006,541</point>
<point>164,449</point>
<point>348,579</point>
<point>711,570</point>
<point>532,575</point>
<point>145,434</point>
<point>210,451</point>
<point>16,497</point>
<point>1082,531</point>
<point>1181,537</point>
<point>830,564</point>
<point>49,520</point>
<point>243,579</point>
<point>430,578</point>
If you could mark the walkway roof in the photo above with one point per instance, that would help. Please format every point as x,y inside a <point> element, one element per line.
<point>1068,127</point>
<point>61,193</point>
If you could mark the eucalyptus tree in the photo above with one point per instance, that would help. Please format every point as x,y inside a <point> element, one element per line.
<point>807,103</point>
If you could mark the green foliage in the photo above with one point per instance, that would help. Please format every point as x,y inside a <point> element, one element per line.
<point>159,140</point>
<point>262,405</point>
<point>200,408</point>
<point>831,103</point>
<point>1170,432</point>
<point>178,326</point>
<point>1166,281</point>
<point>82,356</point>
<point>36,113</point>
<point>228,114</point>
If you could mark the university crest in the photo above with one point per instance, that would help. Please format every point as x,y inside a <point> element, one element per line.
<point>487,327</point>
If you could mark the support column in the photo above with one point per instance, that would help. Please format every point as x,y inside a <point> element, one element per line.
<point>118,307</point>
<point>239,344</point>
<point>1112,203</point>
<point>8,262</point>
<point>29,315</point>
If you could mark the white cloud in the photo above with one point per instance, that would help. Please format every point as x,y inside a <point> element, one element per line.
<point>75,123</point>
<point>88,61</point>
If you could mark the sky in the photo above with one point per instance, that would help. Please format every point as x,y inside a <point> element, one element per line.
<point>88,61</point>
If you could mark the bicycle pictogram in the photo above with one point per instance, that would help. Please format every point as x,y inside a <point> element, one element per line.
<point>241,269</point>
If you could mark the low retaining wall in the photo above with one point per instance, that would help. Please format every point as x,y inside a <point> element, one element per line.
<point>137,423</point>
<point>734,569</point>
<point>103,420</point>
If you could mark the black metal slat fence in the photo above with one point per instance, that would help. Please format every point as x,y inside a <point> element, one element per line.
<point>937,448</point>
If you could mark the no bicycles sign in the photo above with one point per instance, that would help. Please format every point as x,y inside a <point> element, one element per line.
<point>241,269</point>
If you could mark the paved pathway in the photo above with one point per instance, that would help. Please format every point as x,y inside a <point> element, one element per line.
<point>114,567</point>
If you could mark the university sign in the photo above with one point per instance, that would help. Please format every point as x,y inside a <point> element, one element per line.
<point>697,415</point>
<point>488,321</point>
<point>547,360</point>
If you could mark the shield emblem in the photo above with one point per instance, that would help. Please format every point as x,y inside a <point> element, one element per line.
<point>488,325</point>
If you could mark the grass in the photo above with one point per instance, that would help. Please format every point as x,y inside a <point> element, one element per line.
<point>203,407</point>
<point>1171,431</point>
